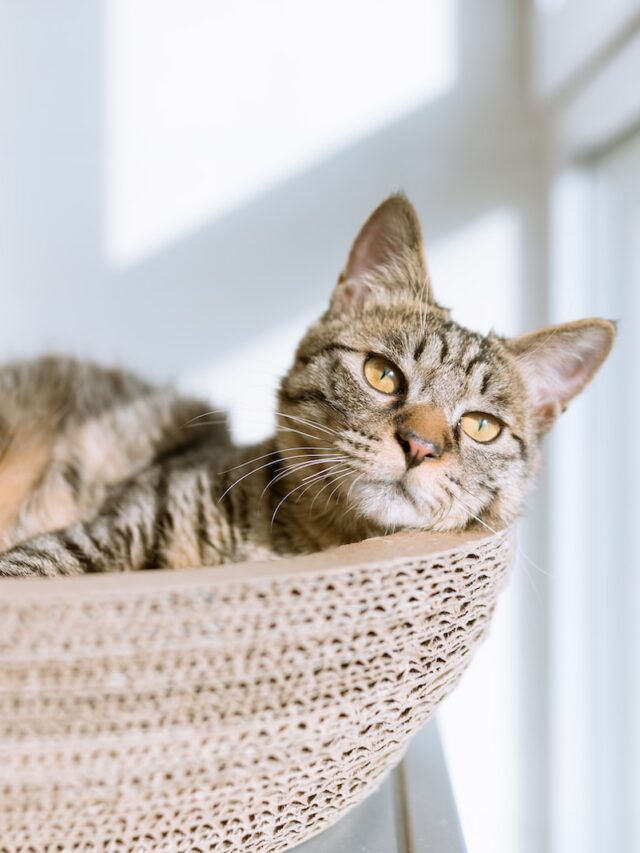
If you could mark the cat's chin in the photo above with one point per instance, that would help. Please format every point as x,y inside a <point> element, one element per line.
<point>391,504</point>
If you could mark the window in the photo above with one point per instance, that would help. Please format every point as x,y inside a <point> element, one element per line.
<point>595,470</point>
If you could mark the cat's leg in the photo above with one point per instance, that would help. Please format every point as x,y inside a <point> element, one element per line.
<point>164,518</point>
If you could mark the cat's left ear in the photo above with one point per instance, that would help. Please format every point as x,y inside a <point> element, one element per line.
<point>557,363</point>
<point>388,251</point>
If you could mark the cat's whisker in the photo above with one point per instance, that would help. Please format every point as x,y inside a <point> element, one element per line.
<point>446,511</point>
<point>351,507</point>
<point>205,415</point>
<point>330,475</point>
<point>293,469</point>
<point>336,485</point>
<point>423,306</point>
<point>336,459</point>
<point>254,471</point>
<point>341,472</point>
<point>275,453</point>
<point>281,428</point>
<point>356,480</point>
<point>314,479</point>
<point>540,346</point>
<point>336,481</point>
<point>420,293</point>
<point>311,424</point>
<point>260,468</point>
<point>244,477</point>
<point>318,476</point>
<point>205,423</point>
<point>288,470</point>
<point>519,553</point>
<point>519,550</point>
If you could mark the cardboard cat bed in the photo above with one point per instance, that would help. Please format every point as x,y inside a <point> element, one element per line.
<point>241,708</point>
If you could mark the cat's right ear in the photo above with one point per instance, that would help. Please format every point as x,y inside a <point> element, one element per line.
<point>388,252</point>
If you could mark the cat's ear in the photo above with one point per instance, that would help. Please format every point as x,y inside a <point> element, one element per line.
<point>557,363</point>
<point>388,251</point>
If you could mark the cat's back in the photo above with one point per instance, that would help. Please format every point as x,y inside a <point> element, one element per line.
<point>71,428</point>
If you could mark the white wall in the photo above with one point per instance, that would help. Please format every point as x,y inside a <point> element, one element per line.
<point>180,305</point>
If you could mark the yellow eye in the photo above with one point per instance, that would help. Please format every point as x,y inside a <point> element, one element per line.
<point>382,375</point>
<point>480,426</point>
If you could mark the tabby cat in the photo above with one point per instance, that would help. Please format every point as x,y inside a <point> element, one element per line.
<point>392,416</point>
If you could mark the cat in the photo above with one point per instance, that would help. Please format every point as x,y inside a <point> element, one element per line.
<point>392,416</point>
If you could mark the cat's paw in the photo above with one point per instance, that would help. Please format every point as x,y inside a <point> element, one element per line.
<point>23,563</point>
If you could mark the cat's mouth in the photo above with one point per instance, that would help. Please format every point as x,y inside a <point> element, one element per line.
<point>390,502</point>
<point>399,485</point>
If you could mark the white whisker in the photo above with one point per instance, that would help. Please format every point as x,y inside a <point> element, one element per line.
<point>298,467</point>
<point>276,453</point>
<point>330,475</point>
<point>319,475</point>
<point>281,428</point>
<point>340,471</point>
<point>312,424</point>
<point>497,533</point>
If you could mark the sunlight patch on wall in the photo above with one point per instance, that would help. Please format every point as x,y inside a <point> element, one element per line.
<point>476,273</point>
<point>210,103</point>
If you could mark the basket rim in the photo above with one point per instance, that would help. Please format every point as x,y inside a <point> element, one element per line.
<point>380,550</point>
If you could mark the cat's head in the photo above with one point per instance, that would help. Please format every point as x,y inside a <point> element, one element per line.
<point>398,416</point>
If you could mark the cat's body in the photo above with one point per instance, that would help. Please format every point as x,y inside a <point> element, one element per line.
<point>136,476</point>
<point>392,416</point>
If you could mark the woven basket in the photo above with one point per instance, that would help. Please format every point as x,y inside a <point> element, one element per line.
<point>242,708</point>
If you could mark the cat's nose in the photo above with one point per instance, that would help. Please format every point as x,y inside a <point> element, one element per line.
<point>416,448</point>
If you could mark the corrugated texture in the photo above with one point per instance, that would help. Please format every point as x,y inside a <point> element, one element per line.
<point>186,713</point>
<point>413,811</point>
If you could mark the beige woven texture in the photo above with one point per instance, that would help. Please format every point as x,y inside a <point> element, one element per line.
<point>243,708</point>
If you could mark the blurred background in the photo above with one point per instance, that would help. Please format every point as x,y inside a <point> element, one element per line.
<point>179,186</point>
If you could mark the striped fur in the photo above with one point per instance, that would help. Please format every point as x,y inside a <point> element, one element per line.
<point>100,471</point>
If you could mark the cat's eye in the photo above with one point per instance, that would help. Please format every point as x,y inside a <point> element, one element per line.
<point>382,375</point>
<point>480,426</point>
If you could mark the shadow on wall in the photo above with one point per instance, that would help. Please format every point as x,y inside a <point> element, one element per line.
<point>270,259</point>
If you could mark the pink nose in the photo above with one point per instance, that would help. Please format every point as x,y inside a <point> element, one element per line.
<point>417,449</point>
<point>420,449</point>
